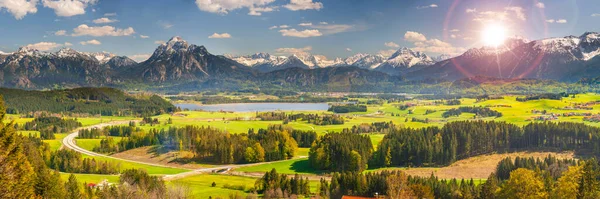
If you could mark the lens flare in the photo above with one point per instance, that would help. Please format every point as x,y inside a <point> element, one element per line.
<point>493,35</point>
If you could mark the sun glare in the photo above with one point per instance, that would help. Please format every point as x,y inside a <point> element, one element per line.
<point>493,35</point>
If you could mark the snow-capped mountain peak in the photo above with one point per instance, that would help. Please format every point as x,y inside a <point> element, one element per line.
<point>406,57</point>
<point>176,43</point>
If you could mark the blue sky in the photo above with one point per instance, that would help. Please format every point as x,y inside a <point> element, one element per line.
<point>334,28</point>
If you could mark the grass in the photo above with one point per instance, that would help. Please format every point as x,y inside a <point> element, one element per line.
<point>155,170</point>
<point>300,166</point>
<point>200,185</point>
<point>90,144</point>
<point>90,178</point>
<point>477,168</point>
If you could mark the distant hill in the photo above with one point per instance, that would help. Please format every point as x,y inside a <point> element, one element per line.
<point>104,101</point>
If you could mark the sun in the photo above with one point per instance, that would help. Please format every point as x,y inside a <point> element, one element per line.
<point>493,35</point>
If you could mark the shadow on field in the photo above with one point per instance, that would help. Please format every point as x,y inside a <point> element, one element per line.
<point>303,166</point>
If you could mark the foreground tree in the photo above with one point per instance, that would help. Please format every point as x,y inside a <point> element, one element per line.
<point>17,177</point>
<point>524,184</point>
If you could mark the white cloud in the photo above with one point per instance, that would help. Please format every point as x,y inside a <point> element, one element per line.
<point>453,36</point>
<point>428,6</point>
<point>257,11</point>
<point>104,20</point>
<point>387,53</point>
<point>498,16</point>
<point>471,10</point>
<point>67,8</point>
<point>140,57</point>
<point>414,36</point>
<point>293,50</point>
<point>19,8</point>
<point>519,12</point>
<point>333,28</point>
<point>540,5</point>
<point>455,30</point>
<point>45,46</point>
<point>144,36</point>
<point>323,23</point>
<point>60,33</point>
<point>431,45</point>
<point>596,15</point>
<point>159,42</point>
<point>349,49</point>
<point>110,14</point>
<point>99,31</point>
<point>225,6</point>
<point>165,24</point>
<point>556,21</point>
<point>301,34</point>
<point>305,24</point>
<point>284,26</point>
<point>281,26</point>
<point>273,27</point>
<point>220,36</point>
<point>90,42</point>
<point>296,5</point>
<point>392,45</point>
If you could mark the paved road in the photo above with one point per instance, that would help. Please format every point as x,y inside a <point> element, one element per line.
<point>69,142</point>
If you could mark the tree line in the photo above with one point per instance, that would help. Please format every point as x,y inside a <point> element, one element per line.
<point>341,152</point>
<point>94,101</point>
<point>347,108</point>
<point>478,111</point>
<point>532,178</point>
<point>323,119</point>
<point>48,126</point>
<point>70,161</point>
<point>207,143</point>
<point>435,146</point>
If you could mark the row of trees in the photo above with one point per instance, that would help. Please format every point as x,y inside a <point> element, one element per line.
<point>48,126</point>
<point>347,108</point>
<point>272,183</point>
<point>341,152</point>
<point>375,127</point>
<point>70,161</point>
<point>214,145</point>
<point>324,119</point>
<point>478,111</point>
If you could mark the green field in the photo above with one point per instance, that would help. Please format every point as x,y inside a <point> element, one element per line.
<point>200,185</point>
<point>516,112</point>
<point>90,144</point>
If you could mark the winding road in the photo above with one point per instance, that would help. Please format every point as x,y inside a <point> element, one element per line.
<point>69,142</point>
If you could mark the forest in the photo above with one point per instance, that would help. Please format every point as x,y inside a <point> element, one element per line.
<point>91,101</point>
<point>210,144</point>
<point>433,146</point>
<point>347,108</point>
<point>527,178</point>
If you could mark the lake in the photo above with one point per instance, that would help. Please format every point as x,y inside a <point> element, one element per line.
<point>261,107</point>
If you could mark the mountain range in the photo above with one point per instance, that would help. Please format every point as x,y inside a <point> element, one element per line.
<point>178,64</point>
